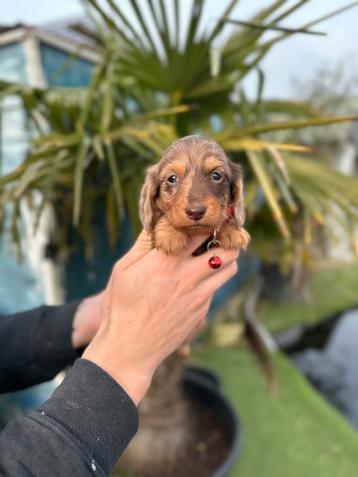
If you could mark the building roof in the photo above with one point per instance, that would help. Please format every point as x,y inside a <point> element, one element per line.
<point>79,29</point>
<point>5,28</point>
<point>75,35</point>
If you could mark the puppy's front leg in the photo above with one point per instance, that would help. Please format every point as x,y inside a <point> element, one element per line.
<point>232,237</point>
<point>168,239</point>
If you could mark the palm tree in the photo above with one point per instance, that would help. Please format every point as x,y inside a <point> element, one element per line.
<point>159,79</point>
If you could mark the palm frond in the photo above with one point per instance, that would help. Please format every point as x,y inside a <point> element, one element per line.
<point>260,26</point>
<point>155,82</point>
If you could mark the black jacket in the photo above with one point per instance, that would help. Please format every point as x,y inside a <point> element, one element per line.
<point>86,424</point>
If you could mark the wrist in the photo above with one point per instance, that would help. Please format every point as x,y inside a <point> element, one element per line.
<point>131,375</point>
<point>133,380</point>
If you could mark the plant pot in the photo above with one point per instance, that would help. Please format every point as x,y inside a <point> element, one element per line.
<point>215,434</point>
<point>203,386</point>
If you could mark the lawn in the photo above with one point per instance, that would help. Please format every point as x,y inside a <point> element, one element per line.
<point>297,434</point>
<point>333,288</point>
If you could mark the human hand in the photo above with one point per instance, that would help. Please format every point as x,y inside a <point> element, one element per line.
<point>152,304</point>
<point>89,313</point>
<point>87,320</point>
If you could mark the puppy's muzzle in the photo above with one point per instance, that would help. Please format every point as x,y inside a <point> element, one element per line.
<point>195,213</point>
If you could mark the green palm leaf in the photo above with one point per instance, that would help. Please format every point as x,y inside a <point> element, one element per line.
<point>264,177</point>
<point>160,78</point>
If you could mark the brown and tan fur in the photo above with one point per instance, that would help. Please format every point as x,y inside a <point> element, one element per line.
<point>164,205</point>
<point>166,419</point>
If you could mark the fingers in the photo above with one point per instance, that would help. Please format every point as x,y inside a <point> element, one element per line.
<point>219,277</point>
<point>184,257</point>
<point>197,330</point>
<point>195,243</point>
<point>143,243</point>
<point>198,268</point>
<point>198,323</point>
<point>142,246</point>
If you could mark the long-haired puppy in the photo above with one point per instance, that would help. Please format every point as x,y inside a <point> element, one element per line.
<point>193,189</point>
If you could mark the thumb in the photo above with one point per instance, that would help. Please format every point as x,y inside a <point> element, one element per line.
<point>141,247</point>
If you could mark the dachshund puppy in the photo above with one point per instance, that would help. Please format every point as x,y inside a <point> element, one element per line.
<point>193,189</point>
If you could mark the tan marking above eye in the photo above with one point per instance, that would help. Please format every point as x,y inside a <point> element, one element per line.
<point>212,164</point>
<point>176,168</point>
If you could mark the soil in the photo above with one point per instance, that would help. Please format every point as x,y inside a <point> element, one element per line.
<point>211,445</point>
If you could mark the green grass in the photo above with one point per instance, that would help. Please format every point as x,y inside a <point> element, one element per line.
<point>332,289</point>
<point>297,434</point>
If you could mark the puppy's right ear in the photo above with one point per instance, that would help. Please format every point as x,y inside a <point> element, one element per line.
<point>148,211</point>
<point>237,193</point>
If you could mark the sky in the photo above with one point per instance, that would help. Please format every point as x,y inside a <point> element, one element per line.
<point>300,57</point>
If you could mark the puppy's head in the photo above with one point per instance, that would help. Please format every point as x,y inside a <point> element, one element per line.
<point>194,185</point>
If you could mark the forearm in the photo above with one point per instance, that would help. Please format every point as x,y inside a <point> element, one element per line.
<point>81,430</point>
<point>35,345</point>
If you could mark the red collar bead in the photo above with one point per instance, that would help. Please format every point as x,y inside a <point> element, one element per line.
<point>230,210</point>
<point>214,262</point>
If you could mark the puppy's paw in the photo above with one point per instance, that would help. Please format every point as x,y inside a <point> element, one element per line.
<point>233,238</point>
<point>170,240</point>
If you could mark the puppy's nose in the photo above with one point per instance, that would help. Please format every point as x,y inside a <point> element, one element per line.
<point>195,213</point>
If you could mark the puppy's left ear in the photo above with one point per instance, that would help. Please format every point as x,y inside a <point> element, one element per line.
<point>148,211</point>
<point>237,193</point>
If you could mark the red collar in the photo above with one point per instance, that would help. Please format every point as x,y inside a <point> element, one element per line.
<point>230,210</point>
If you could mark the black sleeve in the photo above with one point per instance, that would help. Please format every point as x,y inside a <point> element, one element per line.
<point>80,431</point>
<point>35,345</point>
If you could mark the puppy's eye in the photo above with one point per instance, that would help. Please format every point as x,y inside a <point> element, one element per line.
<point>172,179</point>
<point>216,176</point>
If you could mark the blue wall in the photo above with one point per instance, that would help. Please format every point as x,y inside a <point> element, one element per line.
<point>59,69</point>
<point>19,288</point>
<point>12,63</point>
<point>14,135</point>
<point>62,69</point>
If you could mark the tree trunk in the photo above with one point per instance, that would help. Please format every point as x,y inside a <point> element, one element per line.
<point>164,423</point>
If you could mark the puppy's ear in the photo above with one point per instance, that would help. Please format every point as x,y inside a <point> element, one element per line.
<point>237,193</point>
<point>148,211</point>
